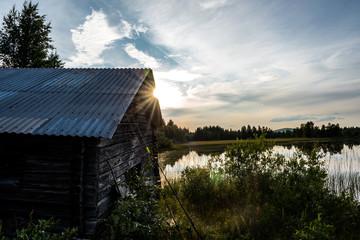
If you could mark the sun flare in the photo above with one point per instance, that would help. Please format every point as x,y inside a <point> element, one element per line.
<point>168,95</point>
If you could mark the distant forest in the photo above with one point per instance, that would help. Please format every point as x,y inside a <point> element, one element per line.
<point>171,133</point>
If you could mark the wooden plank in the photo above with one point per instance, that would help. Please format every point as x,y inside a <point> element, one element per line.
<point>45,176</point>
<point>104,206</point>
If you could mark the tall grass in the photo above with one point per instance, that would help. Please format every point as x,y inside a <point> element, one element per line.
<point>349,182</point>
<point>343,171</point>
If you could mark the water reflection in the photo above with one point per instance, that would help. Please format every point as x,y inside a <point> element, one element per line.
<point>342,160</point>
<point>328,147</point>
<point>173,156</point>
<point>333,147</point>
<point>173,171</point>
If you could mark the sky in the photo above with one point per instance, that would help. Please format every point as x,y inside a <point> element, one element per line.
<point>223,62</point>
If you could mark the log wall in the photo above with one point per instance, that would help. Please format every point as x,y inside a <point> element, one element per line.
<point>41,174</point>
<point>116,156</point>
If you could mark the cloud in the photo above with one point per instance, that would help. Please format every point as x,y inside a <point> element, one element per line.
<point>317,118</point>
<point>328,119</point>
<point>177,112</point>
<point>173,56</point>
<point>292,118</point>
<point>143,58</point>
<point>213,4</point>
<point>177,75</point>
<point>95,35</point>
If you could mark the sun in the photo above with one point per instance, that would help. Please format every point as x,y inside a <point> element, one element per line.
<point>168,95</point>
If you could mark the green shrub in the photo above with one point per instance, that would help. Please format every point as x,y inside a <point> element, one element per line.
<point>40,231</point>
<point>316,230</point>
<point>133,219</point>
<point>197,186</point>
<point>136,215</point>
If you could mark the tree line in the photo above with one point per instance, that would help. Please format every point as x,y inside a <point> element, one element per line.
<point>305,130</point>
<point>170,133</point>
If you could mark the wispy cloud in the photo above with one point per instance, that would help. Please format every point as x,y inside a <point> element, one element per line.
<point>95,35</point>
<point>177,75</point>
<point>142,57</point>
<point>292,118</point>
<point>315,118</point>
<point>213,4</point>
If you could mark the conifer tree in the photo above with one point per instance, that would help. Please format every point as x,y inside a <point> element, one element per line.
<point>25,40</point>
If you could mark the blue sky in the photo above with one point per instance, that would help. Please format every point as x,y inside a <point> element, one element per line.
<point>223,62</point>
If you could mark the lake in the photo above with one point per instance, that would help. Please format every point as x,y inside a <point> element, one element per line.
<point>342,160</point>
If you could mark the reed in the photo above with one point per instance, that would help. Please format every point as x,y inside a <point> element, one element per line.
<point>343,171</point>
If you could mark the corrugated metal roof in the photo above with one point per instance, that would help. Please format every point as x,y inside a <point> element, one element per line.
<point>68,102</point>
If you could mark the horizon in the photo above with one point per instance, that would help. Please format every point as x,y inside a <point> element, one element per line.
<point>226,63</point>
<point>272,129</point>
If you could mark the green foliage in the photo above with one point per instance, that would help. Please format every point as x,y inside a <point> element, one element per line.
<point>197,186</point>
<point>315,230</point>
<point>255,194</point>
<point>163,142</point>
<point>208,133</point>
<point>170,133</point>
<point>251,158</point>
<point>207,189</point>
<point>40,231</point>
<point>136,215</point>
<point>25,40</point>
<point>309,130</point>
<point>134,219</point>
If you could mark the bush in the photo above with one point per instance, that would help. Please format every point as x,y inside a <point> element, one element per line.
<point>133,219</point>
<point>136,215</point>
<point>315,230</point>
<point>40,231</point>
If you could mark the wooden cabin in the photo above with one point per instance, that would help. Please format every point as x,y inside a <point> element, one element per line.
<point>67,136</point>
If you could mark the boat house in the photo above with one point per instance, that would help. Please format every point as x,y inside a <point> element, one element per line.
<point>67,136</point>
